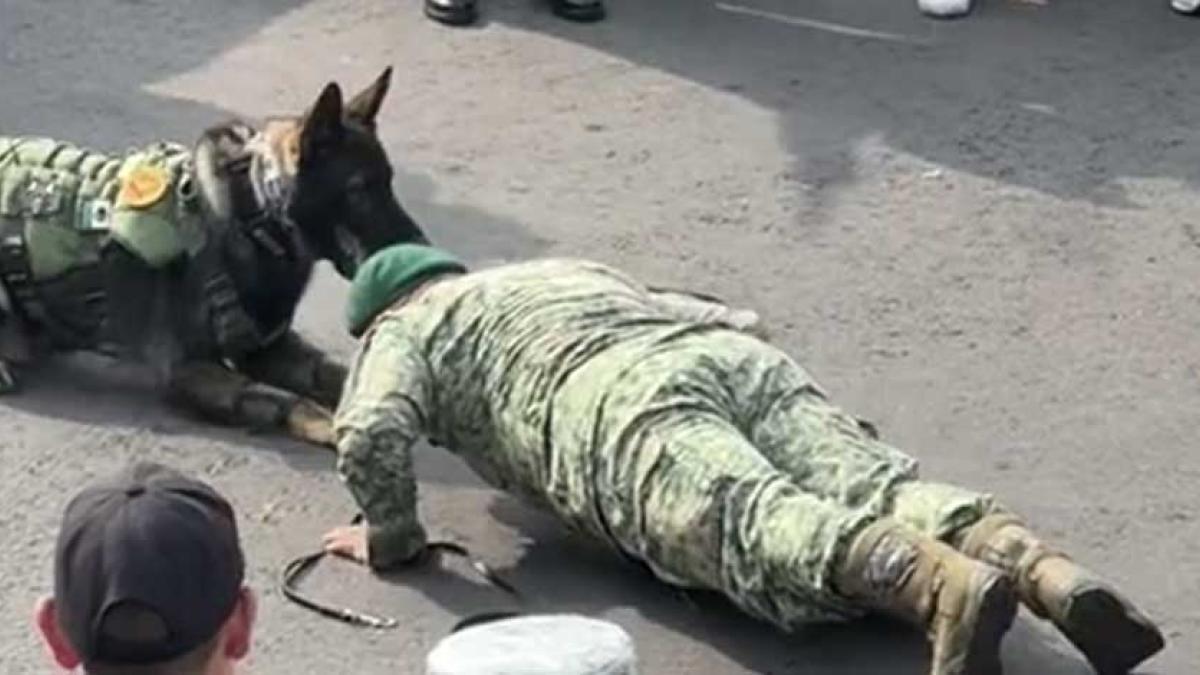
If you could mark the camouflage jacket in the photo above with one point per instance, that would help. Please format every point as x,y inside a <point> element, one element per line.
<point>478,364</point>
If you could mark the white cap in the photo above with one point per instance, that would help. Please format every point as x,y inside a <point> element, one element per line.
<point>550,644</point>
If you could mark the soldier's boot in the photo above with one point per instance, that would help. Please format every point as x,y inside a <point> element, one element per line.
<point>965,607</point>
<point>1099,621</point>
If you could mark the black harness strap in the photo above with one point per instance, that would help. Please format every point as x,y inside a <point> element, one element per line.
<point>295,570</point>
<point>235,332</point>
<point>17,275</point>
<point>262,225</point>
<point>14,262</point>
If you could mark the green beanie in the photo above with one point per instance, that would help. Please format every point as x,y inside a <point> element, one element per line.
<point>387,275</point>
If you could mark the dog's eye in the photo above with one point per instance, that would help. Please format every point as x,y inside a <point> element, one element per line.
<point>357,182</point>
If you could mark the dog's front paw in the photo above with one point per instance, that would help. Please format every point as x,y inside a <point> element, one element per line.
<point>8,377</point>
<point>311,422</point>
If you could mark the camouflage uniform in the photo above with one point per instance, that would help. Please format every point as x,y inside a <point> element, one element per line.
<point>640,418</point>
<point>61,205</point>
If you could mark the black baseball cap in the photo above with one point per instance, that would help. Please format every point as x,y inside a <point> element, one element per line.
<point>152,540</point>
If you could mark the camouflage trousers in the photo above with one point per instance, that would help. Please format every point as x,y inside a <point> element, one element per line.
<point>721,465</point>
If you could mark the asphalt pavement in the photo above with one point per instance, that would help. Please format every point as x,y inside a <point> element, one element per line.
<point>982,235</point>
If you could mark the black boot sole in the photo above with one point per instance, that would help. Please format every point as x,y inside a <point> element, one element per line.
<point>584,14</point>
<point>452,17</point>
<point>1112,635</point>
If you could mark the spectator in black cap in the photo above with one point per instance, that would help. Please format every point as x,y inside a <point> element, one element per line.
<point>148,579</point>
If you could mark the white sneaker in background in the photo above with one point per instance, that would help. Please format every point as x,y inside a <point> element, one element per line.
<point>951,8</point>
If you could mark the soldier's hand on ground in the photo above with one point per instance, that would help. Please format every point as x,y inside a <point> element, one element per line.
<point>348,541</point>
<point>311,422</point>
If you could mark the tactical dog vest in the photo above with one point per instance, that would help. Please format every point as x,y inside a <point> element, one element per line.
<point>61,205</point>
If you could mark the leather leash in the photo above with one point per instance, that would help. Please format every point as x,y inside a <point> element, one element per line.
<point>295,571</point>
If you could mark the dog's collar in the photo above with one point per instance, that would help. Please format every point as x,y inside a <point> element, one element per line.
<point>259,210</point>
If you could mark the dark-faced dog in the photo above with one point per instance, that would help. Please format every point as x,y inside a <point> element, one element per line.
<point>193,259</point>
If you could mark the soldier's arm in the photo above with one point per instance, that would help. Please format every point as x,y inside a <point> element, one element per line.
<point>696,307</point>
<point>377,468</point>
<point>381,417</point>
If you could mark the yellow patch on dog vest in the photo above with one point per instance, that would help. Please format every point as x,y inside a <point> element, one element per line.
<point>143,187</point>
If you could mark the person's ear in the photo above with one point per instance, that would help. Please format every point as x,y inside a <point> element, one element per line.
<point>45,617</point>
<point>239,629</point>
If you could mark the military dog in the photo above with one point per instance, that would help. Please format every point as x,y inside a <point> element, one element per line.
<point>192,260</point>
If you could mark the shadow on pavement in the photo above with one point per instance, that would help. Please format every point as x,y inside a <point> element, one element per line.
<point>557,572</point>
<point>1070,99</point>
<point>99,392</point>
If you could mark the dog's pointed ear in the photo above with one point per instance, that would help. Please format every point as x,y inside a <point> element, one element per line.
<point>322,126</point>
<point>364,107</point>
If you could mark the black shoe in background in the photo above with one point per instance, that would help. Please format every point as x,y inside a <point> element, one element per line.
<point>452,12</point>
<point>579,10</point>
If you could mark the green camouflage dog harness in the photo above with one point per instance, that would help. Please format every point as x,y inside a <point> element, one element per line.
<point>61,206</point>
<point>66,203</point>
